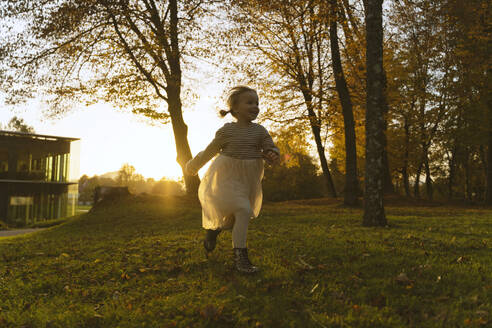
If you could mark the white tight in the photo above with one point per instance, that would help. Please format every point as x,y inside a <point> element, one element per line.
<point>240,229</point>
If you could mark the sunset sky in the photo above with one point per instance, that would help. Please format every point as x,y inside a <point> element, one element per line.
<point>111,137</point>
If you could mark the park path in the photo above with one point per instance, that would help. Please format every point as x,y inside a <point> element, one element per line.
<point>8,233</point>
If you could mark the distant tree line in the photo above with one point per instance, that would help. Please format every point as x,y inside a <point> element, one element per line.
<point>127,177</point>
<point>17,124</point>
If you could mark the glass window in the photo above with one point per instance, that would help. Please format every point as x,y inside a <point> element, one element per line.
<point>23,162</point>
<point>65,167</point>
<point>21,200</point>
<point>20,211</point>
<point>74,160</point>
<point>4,163</point>
<point>72,199</point>
<point>56,168</point>
<point>49,168</point>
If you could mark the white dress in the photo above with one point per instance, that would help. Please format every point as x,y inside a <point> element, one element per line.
<point>232,183</point>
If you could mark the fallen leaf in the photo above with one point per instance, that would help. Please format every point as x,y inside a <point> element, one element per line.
<point>304,264</point>
<point>314,288</point>
<point>461,259</point>
<point>222,290</point>
<point>402,278</point>
<point>97,260</point>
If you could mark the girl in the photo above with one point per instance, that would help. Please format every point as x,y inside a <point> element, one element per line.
<point>230,192</point>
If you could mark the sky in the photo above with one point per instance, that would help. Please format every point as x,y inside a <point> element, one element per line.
<point>111,137</point>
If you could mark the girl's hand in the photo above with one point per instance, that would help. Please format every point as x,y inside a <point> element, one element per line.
<point>271,156</point>
<point>189,170</point>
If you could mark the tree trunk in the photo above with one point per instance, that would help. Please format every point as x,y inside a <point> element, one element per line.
<point>406,182</point>
<point>388,187</point>
<point>180,130</point>
<point>467,193</point>
<point>428,179</point>
<point>373,195</point>
<point>483,175</point>
<point>319,146</point>
<point>387,183</point>
<point>488,101</point>
<point>351,183</point>
<point>452,170</point>
<point>488,193</point>
<point>416,186</point>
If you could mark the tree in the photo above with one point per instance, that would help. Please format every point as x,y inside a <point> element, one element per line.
<point>126,52</point>
<point>88,185</point>
<point>373,195</point>
<point>18,124</point>
<point>126,175</point>
<point>351,183</point>
<point>438,73</point>
<point>167,187</point>
<point>291,40</point>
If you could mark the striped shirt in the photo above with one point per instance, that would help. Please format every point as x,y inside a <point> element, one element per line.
<point>237,141</point>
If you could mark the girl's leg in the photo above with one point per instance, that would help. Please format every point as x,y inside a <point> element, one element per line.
<point>239,233</point>
<point>240,229</point>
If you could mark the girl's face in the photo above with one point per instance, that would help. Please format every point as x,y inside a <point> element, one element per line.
<point>246,108</point>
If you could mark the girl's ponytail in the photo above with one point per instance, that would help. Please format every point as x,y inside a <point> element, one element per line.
<point>224,112</point>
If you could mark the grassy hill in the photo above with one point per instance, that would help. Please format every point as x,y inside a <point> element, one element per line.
<point>140,263</point>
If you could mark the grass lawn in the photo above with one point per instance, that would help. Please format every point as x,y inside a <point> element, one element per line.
<point>141,264</point>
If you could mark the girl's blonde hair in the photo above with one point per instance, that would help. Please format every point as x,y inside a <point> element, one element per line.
<point>233,97</point>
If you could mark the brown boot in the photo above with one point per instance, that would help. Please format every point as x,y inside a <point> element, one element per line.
<point>242,262</point>
<point>210,240</point>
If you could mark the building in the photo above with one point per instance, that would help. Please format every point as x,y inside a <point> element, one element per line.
<point>37,175</point>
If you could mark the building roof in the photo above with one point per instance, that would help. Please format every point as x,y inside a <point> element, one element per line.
<point>35,136</point>
<point>38,182</point>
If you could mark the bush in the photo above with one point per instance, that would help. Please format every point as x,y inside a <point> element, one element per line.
<point>3,226</point>
<point>287,182</point>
